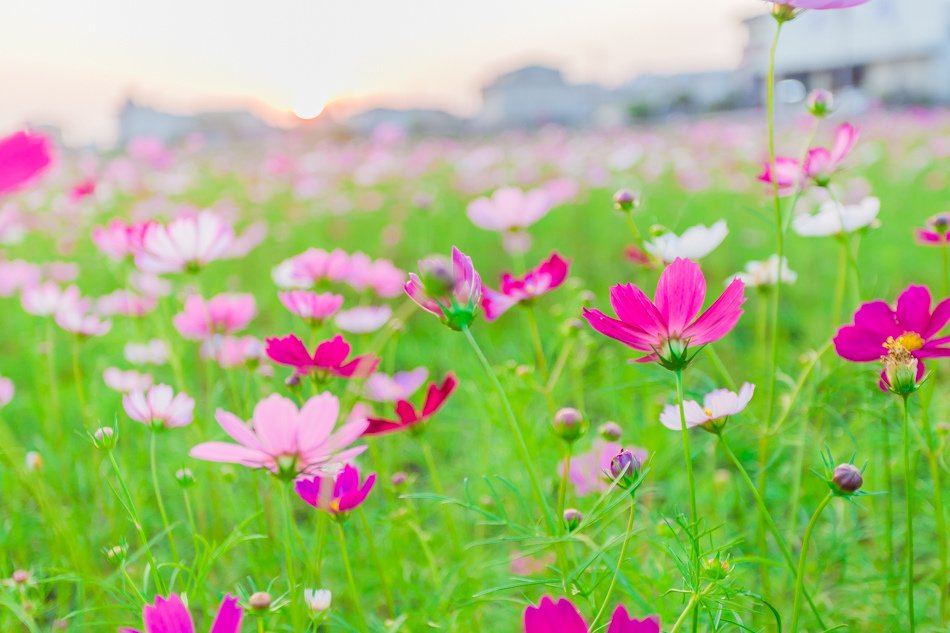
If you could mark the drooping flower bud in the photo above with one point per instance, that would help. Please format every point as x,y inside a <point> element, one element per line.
<point>626,200</point>
<point>399,479</point>
<point>573,518</point>
<point>436,275</point>
<point>819,103</point>
<point>260,601</point>
<point>569,424</point>
<point>610,431</point>
<point>847,479</point>
<point>624,468</point>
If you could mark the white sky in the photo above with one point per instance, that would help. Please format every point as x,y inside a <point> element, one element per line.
<point>73,63</point>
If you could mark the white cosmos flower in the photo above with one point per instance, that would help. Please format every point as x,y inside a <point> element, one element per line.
<point>695,243</point>
<point>717,405</point>
<point>765,273</point>
<point>834,218</point>
<point>317,599</point>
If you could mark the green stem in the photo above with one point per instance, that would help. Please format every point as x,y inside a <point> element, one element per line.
<point>380,568</point>
<point>888,504</point>
<point>940,518</point>
<point>539,356</point>
<point>623,554</point>
<point>693,514</point>
<point>159,502</point>
<point>840,285</point>
<point>693,600</point>
<point>289,554</point>
<point>78,378</point>
<point>351,581</point>
<point>515,431</point>
<point>440,490</point>
<point>802,557</point>
<point>321,537</point>
<point>909,517</point>
<point>53,383</point>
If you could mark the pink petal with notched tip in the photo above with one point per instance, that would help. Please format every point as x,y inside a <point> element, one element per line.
<point>680,293</point>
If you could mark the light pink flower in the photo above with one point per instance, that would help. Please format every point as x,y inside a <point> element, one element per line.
<point>287,441</point>
<point>159,407</point>
<point>7,391</point>
<point>119,240</point>
<point>17,275</point>
<point>234,351</point>
<point>47,298</point>
<point>125,303</point>
<point>364,319</point>
<point>24,157</point>
<point>589,471</point>
<point>788,175</point>
<point>400,386</point>
<point>187,243</point>
<point>312,307</point>
<point>821,164</point>
<point>717,406</point>
<point>74,318</point>
<point>222,314</point>
<point>509,209</point>
<point>126,381</point>
<point>820,5</point>
<point>154,352</point>
<point>309,268</point>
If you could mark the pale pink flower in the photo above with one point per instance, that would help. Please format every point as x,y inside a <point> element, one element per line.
<point>509,209</point>
<point>717,406</point>
<point>187,243</point>
<point>150,285</point>
<point>74,318</point>
<point>125,303</point>
<point>47,298</point>
<point>154,352</point>
<point>400,386</point>
<point>222,314</point>
<point>285,440</point>
<point>16,275</point>
<point>118,240</point>
<point>234,351</point>
<point>7,391</point>
<point>62,272</point>
<point>312,266</point>
<point>126,381</point>
<point>312,307</point>
<point>159,407</point>
<point>364,319</point>
<point>380,275</point>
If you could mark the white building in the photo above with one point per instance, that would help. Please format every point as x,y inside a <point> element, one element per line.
<point>136,121</point>
<point>536,95</point>
<point>893,50</point>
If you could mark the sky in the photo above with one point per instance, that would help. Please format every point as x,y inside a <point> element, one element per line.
<point>73,64</point>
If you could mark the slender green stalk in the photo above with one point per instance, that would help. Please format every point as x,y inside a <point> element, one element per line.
<point>888,504</point>
<point>515,428</point>
<point>289,555</point>
<point>52,382</point>
<point>690,608</point>
<point>321,538</point>
<point>802,557</point>
<point>351,581</point>
<point>693,515</point>
<point>159,502</point>
<point>562,487</point>
<point>840,285</point>
<point>539,356</point>
<point>623,555</point>
<point>440,490</point>
<point>78,378</point>
<point>940,519</point>
<point>380,568</point>
<point>909,518</point>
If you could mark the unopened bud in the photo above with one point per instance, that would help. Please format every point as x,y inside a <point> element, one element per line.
<point>626,200</point>
<point>104,438</point>
<point>184,477</point>
<point>569,424</point>
<point>117,554</point>
<point>847,478</point>
<point>318,600</point>
<point>573,518</point>
<point>33,460</point>
<point>399,479</point>
<point>819,103</point>
<point>610,431</point>
<point>624,468</point>
<point>21,577</point>
<point>716,567</point>
<point>260,601</point>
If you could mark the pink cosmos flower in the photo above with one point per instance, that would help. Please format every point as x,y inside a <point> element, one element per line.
<point>329,359</point>
<point>312,266</point>
<point>73,317</point>
<point>588,472</point>
<point>380,275</point>
<point>82,189</point>
<point>363,319</point>
<point>312,307</point>
<point>667,326</point>
<point>408,415</point>
<point>118,240</point>
<point>171,616</point>
<point>936,232</point>
<point>125,303</point>
<point>450,292</point>
<point>821,164</point>
<point>159,407</point>
<point>384,388</point>
<point>23,158</point>
<point>820,5</point>
<point>47,298</point>
<point>153,352</point>
<point>17,275</point>
<point>234,351</point>
<point>126,381</point>
<point>717,406</point>
<point>337,495</point>
<point>187,243</point>
<point>7,390</point>
<point>788,175</point>
<point>286,441</point>
<point>547,276</point>
<point>911,325</point>
<point>509,209</point>
<point>563,617</point>
<point>222,314</point>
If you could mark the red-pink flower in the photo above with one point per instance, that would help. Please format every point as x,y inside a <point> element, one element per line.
<point>936,232</point>
<point>336,495</point>
<point>312,307</point>
<point>449,291</point>
<point>821,164</point>
<point>408,415</point>
<point>911,325</point>
<point>82,189</point>
<point>23,158</point>
<point>329,359</point>
<point>222,314</point>
<point>670,324</point>
<point>187,243</point>
<point>287,441</point>
<point>171,616</point>
<point>119,240</point>
<point>563,617</point>
<point>547,276</point>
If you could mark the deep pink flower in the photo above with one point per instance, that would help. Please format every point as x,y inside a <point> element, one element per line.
<point>821,164</point>
<point>159,407</point>
<point>23,158</point>
<point>222,314</point>
<point>286,441</point>
<point>119,240</point>
<point>788,175</point>
<point>336,495</point>
<point>312,307</point>
<point>408,415</point>
<point>187,243</point>
<point>170,616</point>
<point>911,325</point>
<point>547,276</point>
<point>82,189</point>
<point>936,231</point>
<point>329,359</point>
<point>449,291</point>
<point>667,326</point>
<point>563,617</point>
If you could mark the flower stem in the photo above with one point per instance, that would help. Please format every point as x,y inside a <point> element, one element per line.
<point>78,378</point>
<point>841,284</point>
<point>693,600</point>
<point>53,384</point>
<point>289,554</point>
<point>909,517</point>
<point>158,495</point>
<point>623,554</point>
<point>515,430</point>
<point>380,568</point>
<point>440,490</point>
<point>540,358</point>
<point>939,516</point>
<point>693,515</point>
<point>888,503</point>
<point>802,557</point>
<point>351,581</point>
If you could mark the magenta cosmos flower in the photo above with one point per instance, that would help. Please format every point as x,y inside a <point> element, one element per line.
<point>222,314</point>
<point>668,326</point>
<point>329,359</point>
<point>171,616</point>
<point>287,441</point>
<point>408,415</point>
<point>563,617</point>
<point>187,243</point>
<point>547,276</point>
<point>336,495</point>
<point>23,158</point>
<point>449,291</point>
<point>911,325</point>
<point>936,231</point>
<point>159,407</point>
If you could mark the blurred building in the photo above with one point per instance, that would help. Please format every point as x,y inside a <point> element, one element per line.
<point>897,51</point>
<point>137,121</point>
<point>413,121</point>
<point>714,90</point>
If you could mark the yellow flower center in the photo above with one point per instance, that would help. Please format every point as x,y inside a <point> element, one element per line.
<point>911,341</point>
<point>708,413</point>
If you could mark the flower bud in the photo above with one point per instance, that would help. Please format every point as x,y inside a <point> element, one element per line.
<point>716,567</point>
<point>783,12</point>
<point>399,479</point>
<point>626,200</point>
<point>117,554</point>
<point>184,477</point>
<point>104,438</point>
<point>624,468</point>
<point>436,276</point>
<point>318,600</point>
<point>21,577</point>
<point>819,103</point>
<point>569,424</point>
<point>33,460</point>
<point>60,625</point>
<point>940,223</point>
<point>573,518</point>
<point>847,478</point>
<point>610,431</point>
<point>260,601</point>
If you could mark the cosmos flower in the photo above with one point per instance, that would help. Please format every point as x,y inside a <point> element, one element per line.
<point>563,617</point>
<point>337,494</point>
<point>588,470</point>
<point>717,406</point>
<point>547,276</point>
<point>234,351</point>
<point>935,233</point>
<point>287,441</point>
<point>760,274</point>
<point>159,407</point>
<point>118,240</point>
<point>187,243</point>
<point>126,381</point>
<point>509,209</point>
<point>169,615</point>
<point>695,243</point>
<point>153,352</point>
<point>125,303</point>
<point>73,317</point>
<point>408,415</point>
<point>788,175</point>
<point>328,359</point>
<point>363,319</point>
<point>834,218</point>
<point>670,324</point>
<point>222,314</point>
<point>24,157</point>
<point>449,291</point>
<point>7,390</point>
<point>312,307</point>
<point>821,164</point>
<point>47,298</point>
<point>384,388</point>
